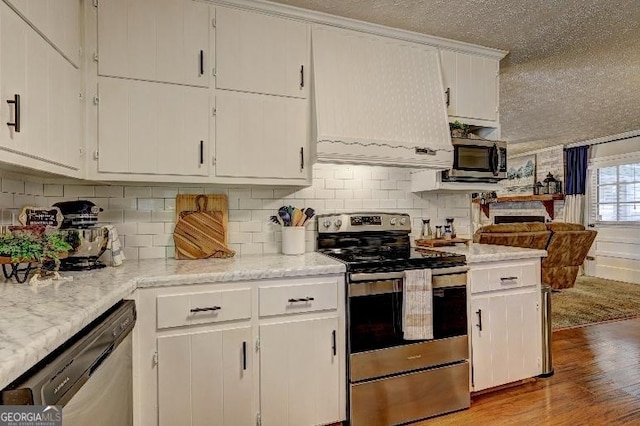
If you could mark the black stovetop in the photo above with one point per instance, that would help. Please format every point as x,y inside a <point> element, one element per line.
<point>383,252</point>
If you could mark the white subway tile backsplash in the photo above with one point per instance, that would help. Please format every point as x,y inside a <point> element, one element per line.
<point>115,191</point>
<point>164,192</point>
<point>136,216</point>
<point>6,201</point>
<point>53,190</point>
<point>76,191</point>
<point>163,216</point>
<point>112,216</point>
<point>12,185</point>
<point>150,204</point>
<point>33,188</point>
<point>138,240</point>
<point>123,203</point>
<point>249,203</point>
<point>20,201</point>
<point>163,240</point>
<point>151,252</point>
<point>252,226</point>
<point>150,228</point>
<point>145,215</point>
<point>334,204</point>
<point>127,228</point>
<point>137,192</point>
<point>333,184</point>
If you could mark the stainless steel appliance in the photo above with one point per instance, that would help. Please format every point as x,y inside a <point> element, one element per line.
<point>477,160</point>
<point>392,380</point>
<point>87,239</point>
<point>90,375</point>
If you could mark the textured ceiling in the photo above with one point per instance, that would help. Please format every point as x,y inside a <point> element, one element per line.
<point>573,71</point>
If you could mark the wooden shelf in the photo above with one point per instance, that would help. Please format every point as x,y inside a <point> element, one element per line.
<point>546,200</point>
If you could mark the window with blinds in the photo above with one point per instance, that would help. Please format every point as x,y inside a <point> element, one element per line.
<point>616,193</point>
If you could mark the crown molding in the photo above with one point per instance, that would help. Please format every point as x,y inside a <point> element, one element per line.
<point>366,27</point>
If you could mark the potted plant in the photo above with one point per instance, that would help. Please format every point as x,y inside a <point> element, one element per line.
<point>31,247</point>
<point>459,129</point>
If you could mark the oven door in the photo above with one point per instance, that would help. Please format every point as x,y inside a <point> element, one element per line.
<point>375,311</point>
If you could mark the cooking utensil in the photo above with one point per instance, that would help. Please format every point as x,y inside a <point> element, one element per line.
<point>78,213</point>
<point>308,213</point>
<point>297,217</point>
<point>285,216</point>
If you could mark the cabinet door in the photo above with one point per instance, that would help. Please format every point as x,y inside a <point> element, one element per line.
<point>152,128</point>
<point>156,40</point>
<point>48,86</point>
<point>507,347</point>
<point>472,82</point>
<point>58,20</point>
<point>206,378</point>
<point>261,136</point>
<point>299,372</point>
<point>261,54</point>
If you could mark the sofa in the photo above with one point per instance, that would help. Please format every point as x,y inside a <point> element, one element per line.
<point>567,245</point>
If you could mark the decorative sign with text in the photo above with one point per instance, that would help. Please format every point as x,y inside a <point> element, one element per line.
<point>51,217</point>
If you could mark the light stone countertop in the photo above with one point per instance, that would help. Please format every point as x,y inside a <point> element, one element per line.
<point>35,321</point>
<point>478,253</point>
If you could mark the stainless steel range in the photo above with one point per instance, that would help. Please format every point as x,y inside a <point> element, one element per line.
<point>393,380</point>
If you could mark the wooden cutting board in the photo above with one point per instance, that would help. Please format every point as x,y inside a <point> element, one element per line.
<point>201,226</point>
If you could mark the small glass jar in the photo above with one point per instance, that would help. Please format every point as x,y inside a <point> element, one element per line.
<point>450,225</point>
<point>426,234</point>
<point>439,233</point>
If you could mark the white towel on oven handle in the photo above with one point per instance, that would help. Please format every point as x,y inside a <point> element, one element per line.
<point>417,305</point>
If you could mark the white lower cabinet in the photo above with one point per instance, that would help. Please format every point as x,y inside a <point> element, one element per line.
<point>505,322</point>
<point>206,378</point>
<point>206,355</point>
<point>300,372</point>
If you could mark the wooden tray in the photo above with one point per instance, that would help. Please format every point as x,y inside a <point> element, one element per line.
<point>441,242</point>
<point>212,229</point>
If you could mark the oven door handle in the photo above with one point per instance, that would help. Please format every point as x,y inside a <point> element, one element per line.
<point>400,274</point>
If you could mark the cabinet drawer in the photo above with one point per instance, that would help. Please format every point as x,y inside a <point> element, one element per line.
<point>504,277</point>
<point>200,308</point>
<point>291,299</point>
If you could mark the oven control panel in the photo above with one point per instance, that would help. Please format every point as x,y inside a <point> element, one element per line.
<point>359,222</point>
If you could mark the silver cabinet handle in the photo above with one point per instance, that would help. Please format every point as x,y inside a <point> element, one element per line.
<point>302,299</point>
<point>508,278</point>
<point>210,308</point>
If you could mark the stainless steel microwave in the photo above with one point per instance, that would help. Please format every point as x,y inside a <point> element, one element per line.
<point>477,160</point>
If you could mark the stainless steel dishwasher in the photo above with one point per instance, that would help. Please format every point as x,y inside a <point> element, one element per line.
<point>89,375</point>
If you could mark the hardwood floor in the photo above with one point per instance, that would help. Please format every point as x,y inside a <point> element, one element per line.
<point>596,382</point>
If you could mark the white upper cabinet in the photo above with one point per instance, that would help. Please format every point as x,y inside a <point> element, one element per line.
<point>471,85</point>
<point>259,53</point>
<point>155,40</point>
<point>261,136</point>
<point>152,128</point>
<point>57,20</point>
<point>41,109</point>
